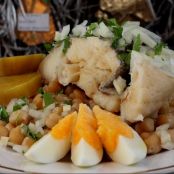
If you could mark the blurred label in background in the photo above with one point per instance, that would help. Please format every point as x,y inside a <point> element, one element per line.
<point>33,22</point>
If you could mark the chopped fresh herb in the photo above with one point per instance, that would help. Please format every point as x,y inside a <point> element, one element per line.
<point>48,46</point>
<point>40,91</point>
<point>112,22</point>
<point>158,48</point>
<point>68,102</point>
<point>117,30</point>
<point>48,99</point>
<point>16,107</point>
<point>125,57</point>
<point>90,29</point>
<point>19,105</point>
<point>60,91</point>
<point>137,43</point>
<point>3,114</point>
<point>66,44</point>
<point>34,135</point>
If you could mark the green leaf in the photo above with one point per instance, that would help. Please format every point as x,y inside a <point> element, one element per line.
<point>158,48</point>
<point>66,44</point>
<point>16,107</point>
<point>137,43</point>
<point>48,46</point>
<point>48,99</point>
<point>112,22</point>
<point>20,104</point>
<point>90,29</point>
<point>28,132</point>
<point>3,114</point>
<point>125,57</point>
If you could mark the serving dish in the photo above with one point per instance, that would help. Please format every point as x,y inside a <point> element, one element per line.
<point>15,162</point>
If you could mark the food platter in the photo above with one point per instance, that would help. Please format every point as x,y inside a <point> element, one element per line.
<point>66,125</point>
<point>12,161</point>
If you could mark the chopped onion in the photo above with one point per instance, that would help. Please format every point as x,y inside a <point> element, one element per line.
<point>19,148</point>
<point>25,108</point>
<point>119,85</point>
<point>80,30</point>
<point>104,31</point>
<point>65,32</point>
<point>66,108</point>
<point>35,113</point>
<point>166,141</point>
<point>4,141</point>
<point>10,105</point>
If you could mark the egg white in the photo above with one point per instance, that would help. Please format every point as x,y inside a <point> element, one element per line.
<point>48,149</point>
<point>84,155</point>
<point>129,150</point>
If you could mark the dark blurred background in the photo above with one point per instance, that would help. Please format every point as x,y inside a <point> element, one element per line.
<point>155,15</point>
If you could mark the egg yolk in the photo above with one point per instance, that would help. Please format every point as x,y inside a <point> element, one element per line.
<point>63,129</point>
<point>110,127</point>
<point>85,128</point>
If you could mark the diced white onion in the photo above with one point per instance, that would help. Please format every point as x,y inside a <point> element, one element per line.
<point>35,113</point>
<point>105,31</point>
<point>25,108</point>
<point>19,148</point>
<point>66,108</point>
<point>166,141</point>
<point>10,105</point>
<point>80,30</point>
<point>65,32</point>
<point>119,85</point>
<point>4,141</point>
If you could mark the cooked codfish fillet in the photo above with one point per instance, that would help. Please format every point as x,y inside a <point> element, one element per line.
<point>87,63</point>
<point>152,84</point>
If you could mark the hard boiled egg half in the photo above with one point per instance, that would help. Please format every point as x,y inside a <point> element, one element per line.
<point>120,141</point>
<point>86,149</point>
<point>56,144</point>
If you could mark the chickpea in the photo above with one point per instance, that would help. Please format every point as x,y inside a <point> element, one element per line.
<point>9,126</point>
<point>153,143</point>
<point>53,87</point>
<point>3,131</point>
<point>52,120</point>
<point>16,136</point>
<point>18,117</point>
<point>2,123</point>
<point>148,125</point>
<point>145,135</point>
<point>28,142</point>
<point>38,101</point>
<point>165,118</point>
<point>58,110</point>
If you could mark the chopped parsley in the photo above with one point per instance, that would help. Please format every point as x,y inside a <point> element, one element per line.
<point>90,29</point>
<point>4,116</point>
<point>137,43</point>
<point>158,48</point>
<point>117,31</point>
<point>20,104</point>
<point>48,99</point>
<point>125,57</point>
<point>48,46</point>
<point>34,135</point>
<point>66,44</point>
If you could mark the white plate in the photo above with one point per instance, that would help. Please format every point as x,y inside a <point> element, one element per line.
<point>163,162</point>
